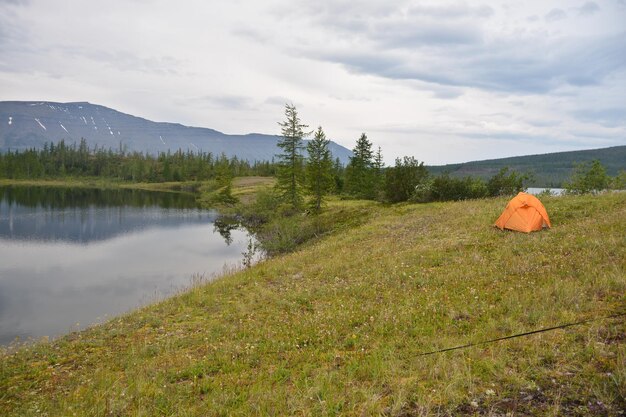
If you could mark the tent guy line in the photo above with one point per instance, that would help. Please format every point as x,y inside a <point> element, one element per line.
<point>486,342</point>
<point>547,329</point>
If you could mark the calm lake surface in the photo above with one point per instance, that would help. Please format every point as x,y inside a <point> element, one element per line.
<point>553,191</point>
<point>70,258</point>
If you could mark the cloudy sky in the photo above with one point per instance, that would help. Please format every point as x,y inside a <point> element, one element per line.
<point>442,81</point>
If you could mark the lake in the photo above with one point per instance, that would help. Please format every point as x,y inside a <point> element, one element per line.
<point>553,191</point>
<point>70,258</point>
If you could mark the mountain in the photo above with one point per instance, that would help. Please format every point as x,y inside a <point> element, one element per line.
<point>26,125</point>
<point>548,170</point>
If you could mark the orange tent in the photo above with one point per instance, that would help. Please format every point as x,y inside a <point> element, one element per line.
<point>524,213</point>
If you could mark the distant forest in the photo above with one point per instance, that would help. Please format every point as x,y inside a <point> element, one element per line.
<point>63,160</point>
<point>548,170</point>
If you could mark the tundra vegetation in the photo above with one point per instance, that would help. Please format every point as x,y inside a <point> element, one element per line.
<point>337,327</point>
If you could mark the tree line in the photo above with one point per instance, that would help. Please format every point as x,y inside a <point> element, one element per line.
<point>78,160</point>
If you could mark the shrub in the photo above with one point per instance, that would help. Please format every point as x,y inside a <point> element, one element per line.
<point>504,183</point>
<point>446,188</point>
<point>619,181</point>
<point>402,179</point>
<point>266,206</point>
<point>588,178</point>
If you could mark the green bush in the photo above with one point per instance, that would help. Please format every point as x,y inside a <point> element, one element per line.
<point>265,207</point>
<point>588,178</point>
<point>446,188</point>
<point>505,183</point>
<point>402,179</point>
<point>619,181</point>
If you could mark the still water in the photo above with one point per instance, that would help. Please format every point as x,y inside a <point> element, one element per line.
<point>74,257</point>
<point>553,191</point>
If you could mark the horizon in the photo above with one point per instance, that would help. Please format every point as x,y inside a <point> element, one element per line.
<point>446,82</point>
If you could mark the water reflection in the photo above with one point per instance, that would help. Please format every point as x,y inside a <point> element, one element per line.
<point>83,215</point>
<point>68,257</point>
<point>225,225</point>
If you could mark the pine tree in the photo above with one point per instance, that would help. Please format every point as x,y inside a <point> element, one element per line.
<point>338,174</point>
<point>319,166</point>
<point>379,173</point>
<point>290,170</point>
<point>360,172</point>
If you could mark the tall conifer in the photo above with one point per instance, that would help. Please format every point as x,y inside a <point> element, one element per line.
<point>319,166</point>
<point>379,174</point>
<point>290,170</point>
<point>360,172</point>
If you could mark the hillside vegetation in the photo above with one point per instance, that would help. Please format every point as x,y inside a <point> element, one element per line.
<point>548,170</point>
<point>337,327</point>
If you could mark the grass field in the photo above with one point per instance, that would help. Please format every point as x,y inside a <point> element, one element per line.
<point>337,327</point>
<point>245,188</point>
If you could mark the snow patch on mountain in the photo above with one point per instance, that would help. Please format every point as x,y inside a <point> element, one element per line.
<point>140,134</point>
<point>40,124</point>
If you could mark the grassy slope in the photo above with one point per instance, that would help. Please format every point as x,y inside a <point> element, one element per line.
<point>245,188</point>
<point>335,327</point>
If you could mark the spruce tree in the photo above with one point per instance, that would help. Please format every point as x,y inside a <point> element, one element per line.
<point>338,174</point>
<point>319,166</point>
<point>360,172</point>
<point>379,174</point>
<point>290,169</point>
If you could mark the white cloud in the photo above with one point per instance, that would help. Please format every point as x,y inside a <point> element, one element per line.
<point>555,14</point>
<point>589,8</point>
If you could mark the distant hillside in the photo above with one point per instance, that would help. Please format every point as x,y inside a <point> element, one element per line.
<point>548,170</point>
<point>26,125</point>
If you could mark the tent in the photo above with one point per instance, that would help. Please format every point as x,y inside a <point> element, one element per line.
<point>524,213</point>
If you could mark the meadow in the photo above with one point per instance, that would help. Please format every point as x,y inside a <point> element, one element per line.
<point>339,326</point>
